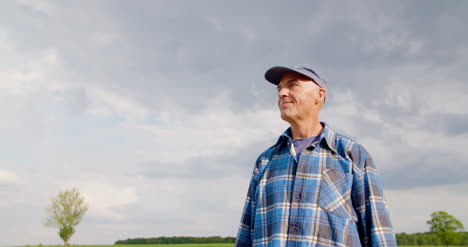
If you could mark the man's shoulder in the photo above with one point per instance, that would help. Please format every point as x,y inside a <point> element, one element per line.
<point>267,154</point>
<point>343,141</point>
<point>262,162</point>
<point>349,147</point>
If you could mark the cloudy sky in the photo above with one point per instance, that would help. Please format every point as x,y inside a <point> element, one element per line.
<point>157,110</point>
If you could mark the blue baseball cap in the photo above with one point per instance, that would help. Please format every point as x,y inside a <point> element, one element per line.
<point>274,74</point>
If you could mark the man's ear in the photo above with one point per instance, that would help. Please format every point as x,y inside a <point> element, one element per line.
<point>322,92</point>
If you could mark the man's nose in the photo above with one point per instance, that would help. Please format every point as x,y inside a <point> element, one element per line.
<point>283,92</point>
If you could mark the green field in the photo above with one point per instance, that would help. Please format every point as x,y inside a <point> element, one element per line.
<point>197,245</point>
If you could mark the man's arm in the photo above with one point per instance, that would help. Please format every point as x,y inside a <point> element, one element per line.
<point>374,226</point>
<point>244,236</point>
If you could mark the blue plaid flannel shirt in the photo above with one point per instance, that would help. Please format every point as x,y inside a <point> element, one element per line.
<point>331,196</point>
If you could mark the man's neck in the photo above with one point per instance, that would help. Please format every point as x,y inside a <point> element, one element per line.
<point>306,129</point>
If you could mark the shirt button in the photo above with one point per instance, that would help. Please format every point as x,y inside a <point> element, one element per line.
<point>298,196</point>
<point>294,227</point>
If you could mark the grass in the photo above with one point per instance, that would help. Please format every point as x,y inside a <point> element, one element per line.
<point>196,245</point>
<point>147,245</point>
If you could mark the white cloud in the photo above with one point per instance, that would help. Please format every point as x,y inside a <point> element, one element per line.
<point>104,102</point>
<point>214,131</point>
<point>105,37</point>
<point>21,77</point>
<point>103,197</point>
<point>43,6</point>
<point>9,177</point>
<point>51,56</point>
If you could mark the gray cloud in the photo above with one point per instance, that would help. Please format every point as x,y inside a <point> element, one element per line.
<point>239,163</point>
<point>429,170</point>
<point>191,52</point>
<point>76,100</point>
<point>447,123</point>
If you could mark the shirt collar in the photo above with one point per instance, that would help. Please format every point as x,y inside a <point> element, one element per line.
<point>327,135</point>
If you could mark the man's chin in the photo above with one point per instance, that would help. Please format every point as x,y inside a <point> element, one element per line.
<point>286,117</point>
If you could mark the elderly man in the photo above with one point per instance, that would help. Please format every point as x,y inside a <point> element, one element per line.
<point>314,187</point>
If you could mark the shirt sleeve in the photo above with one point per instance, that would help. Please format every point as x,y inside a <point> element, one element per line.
<point>244,236</point>
<point>374,226</point>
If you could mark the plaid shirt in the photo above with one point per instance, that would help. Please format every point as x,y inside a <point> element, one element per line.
<point>331,196</point>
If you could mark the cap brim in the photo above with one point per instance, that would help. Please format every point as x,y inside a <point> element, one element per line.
<point>275,74</point>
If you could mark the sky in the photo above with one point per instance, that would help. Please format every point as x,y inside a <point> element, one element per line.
<point>157,110</point>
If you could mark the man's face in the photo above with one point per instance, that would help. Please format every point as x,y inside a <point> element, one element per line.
<point>299,97</point>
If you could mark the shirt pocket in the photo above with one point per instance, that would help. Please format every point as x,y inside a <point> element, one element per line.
<point>335,193</point>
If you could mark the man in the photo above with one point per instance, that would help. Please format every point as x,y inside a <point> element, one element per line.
<point>314,187</point>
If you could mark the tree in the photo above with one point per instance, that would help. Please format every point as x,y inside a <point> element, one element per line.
<point>65,212</point>
<point>445,227</point>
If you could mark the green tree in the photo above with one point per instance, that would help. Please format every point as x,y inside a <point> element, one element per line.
<point>445,227</point>
<point>65,212</point>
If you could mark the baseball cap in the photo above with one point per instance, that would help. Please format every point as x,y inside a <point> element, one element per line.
<point>274,74</point>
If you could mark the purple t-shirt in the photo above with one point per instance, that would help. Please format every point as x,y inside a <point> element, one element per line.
<point>300,144</point>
